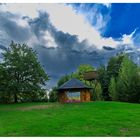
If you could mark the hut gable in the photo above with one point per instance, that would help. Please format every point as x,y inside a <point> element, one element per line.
<point>73,84</point>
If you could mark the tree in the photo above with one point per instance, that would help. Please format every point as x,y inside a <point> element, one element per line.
<point>98,92</point>
<point>25,74</point>
<point>114,65</point>
<point>113,89</point>
<point>84,68</point>
<point>78,74</point>
<point>103,79</point>
<point>105,73</point>
<point>4,80</point>
<point>128,83</point>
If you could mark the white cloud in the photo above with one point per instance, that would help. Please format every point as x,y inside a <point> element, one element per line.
<point>99,23</point>
<point>127,39</point>
<point>47,40</point>
<point>21,22</point>
<point>15,9</point>
<point>108,5</point>
<point>66,19</point>
<point>21,9</point>
<point>93,14</point>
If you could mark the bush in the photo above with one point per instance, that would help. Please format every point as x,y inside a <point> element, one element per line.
<point>53,95</point>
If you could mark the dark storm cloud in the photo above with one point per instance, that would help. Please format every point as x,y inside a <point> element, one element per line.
<point>41,23</point>
<point>59,61</point>
<point>2,47</point>
<point>10,27</point>
<point>69,54</point>
<point>108,48</point>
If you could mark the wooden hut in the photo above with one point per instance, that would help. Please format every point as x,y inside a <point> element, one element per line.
<point>74,91</point>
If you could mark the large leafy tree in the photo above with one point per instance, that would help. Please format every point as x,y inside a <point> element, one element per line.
<point>24,73</point>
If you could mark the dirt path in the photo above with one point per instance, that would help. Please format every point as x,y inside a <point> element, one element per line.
<point>31,107</point>
<point>35,107</point>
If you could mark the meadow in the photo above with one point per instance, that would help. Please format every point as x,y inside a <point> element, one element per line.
<point>71,119</point>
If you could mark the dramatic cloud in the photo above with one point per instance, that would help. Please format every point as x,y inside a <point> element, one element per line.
<point>64,35</point>
<point>66,19</point>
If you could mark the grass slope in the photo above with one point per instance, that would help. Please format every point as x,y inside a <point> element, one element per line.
<point>81,119</point>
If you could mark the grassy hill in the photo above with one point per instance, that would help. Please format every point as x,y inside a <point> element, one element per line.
<point>79,119</point>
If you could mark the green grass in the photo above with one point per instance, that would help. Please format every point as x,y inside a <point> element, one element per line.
<point>79,119</point>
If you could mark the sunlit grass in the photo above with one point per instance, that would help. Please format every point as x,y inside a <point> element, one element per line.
<point>73,119</point>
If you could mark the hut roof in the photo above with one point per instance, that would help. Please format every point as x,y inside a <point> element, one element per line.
<point>73,84</point>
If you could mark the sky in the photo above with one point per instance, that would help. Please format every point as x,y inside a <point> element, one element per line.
<point>66,35</point>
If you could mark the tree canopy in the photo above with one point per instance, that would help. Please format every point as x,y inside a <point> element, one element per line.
<point>23,74</point>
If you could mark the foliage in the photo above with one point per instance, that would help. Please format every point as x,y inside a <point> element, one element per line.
<point>105,73</point>
<point>128,83</point>
<point>103,79</point>
<point>78,74</point>
<point>98,92</point>
<point>112,89</point>
<point>4,82</point>
<point>126,86</point>
<point>24,75</point>
<point>114,65</point>
<point>118,81</point>
<point>53,95</point>
<point>84,68</point>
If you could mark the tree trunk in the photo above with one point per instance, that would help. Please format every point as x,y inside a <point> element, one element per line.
<point>15,98</point>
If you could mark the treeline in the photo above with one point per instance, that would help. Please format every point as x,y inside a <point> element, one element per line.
<point>126,85</point>
<point>22,78</point>
<point>21,75</point>
<point>118,81</point>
